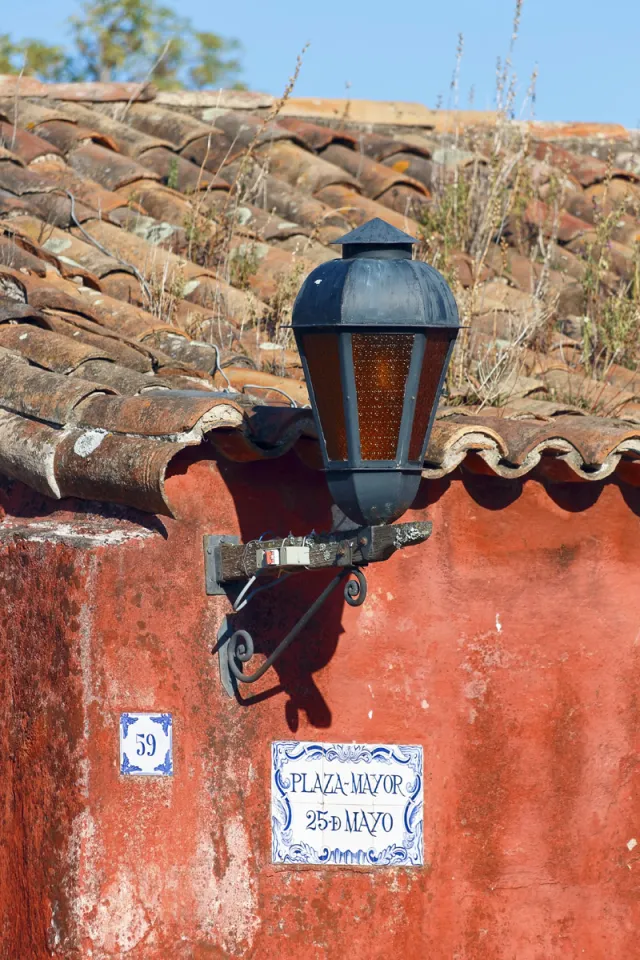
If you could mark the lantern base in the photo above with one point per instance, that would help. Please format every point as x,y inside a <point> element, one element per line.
<point>371,495</point>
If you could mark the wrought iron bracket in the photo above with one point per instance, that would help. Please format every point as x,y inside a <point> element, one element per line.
<point>231,567</point>
<point>229,563</point>
<point>236,648</point>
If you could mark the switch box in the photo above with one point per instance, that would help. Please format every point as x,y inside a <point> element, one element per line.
<point>267,558</point>
<point>292,556</point>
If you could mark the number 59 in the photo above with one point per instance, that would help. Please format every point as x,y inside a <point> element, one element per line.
<point>145,744</point>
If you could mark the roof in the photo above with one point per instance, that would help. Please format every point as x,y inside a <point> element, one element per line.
<point>140,300</point>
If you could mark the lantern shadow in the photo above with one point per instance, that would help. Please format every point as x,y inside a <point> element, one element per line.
<point>292,499</point>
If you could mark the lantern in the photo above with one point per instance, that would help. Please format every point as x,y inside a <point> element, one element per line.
<point>375,331</point>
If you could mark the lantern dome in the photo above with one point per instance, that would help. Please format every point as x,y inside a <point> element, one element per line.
<point>375,330</point>
<point>376,283</point>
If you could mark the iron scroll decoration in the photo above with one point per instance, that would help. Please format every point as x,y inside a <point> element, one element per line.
<point>240,647</point>
<point>375,331</point>
<point>233,569</point>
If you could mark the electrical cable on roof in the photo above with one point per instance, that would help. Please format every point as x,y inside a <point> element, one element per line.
<point>219,368</point>
<point>107,253</point>
<point>262,386</point>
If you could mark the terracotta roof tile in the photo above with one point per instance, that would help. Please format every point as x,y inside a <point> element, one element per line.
<point>98,465</point>
<point>381,113</point>
<point>92,335</point>
<point>304,170</point>
<point>11,204</point>
<point>215,99</point>
<point>21,86</point>
<point>27,452</point>
<point>376,179</point>
<point>579,131</point>
<point>314,137</point>
<point>513,448</point>
<point>66,135</point>
<point>186,175</point>
<point>414,166</point>
<point>111,170</point>
<point>169,414</point>
<point>121,238</point>
<point>51,351</point>
<point>246,128</point>
<point>292,203</point>
<point>179,128</point>
<point>358,209</point>
<point>121,379</point>
<point>385,148</point>
<point>6,156</point>
<point>25,145</point>
<point>586,169</point>
<point>127,139</point>
<point>26,390</point>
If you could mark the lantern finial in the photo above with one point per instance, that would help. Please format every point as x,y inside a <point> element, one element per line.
<point>377,239</point>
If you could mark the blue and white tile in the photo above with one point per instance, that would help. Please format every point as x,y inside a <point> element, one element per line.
<point>146,744</point>
<point>365,808</point>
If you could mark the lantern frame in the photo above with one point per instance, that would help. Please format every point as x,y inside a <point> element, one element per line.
<point>377,291</point>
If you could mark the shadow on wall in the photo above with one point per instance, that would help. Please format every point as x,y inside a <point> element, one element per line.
<point>497,493</point>
<point>280,497</point>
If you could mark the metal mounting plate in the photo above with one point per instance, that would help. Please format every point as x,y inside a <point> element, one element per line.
<point>213,562</point>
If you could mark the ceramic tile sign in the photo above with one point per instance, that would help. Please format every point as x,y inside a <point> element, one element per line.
<point>346,803</point>
<point>146,744</point>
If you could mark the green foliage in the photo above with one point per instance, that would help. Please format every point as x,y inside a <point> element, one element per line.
<point>611,329</point>
<point>209,64</point>
<point>172,178</point>
<point>49,62</point>
<point>120,40</point>
<point>243,265</point>
<point>619,329</point>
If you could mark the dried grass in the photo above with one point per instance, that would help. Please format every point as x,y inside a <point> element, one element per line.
<point>479,210</point>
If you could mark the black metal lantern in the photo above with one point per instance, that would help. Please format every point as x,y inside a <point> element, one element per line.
<point>375,331</point>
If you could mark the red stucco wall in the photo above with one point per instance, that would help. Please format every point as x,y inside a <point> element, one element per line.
<point>507,645</point>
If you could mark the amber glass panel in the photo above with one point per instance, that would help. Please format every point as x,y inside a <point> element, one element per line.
<point>323,361</point>
<point>381,365</point>
<point>435,355</point>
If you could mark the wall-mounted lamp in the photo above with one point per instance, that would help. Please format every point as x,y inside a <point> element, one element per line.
<point>375,331</point>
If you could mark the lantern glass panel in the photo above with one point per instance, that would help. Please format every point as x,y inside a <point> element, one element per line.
<point>323,362</point>
<point>381,366</point>
<point>435,354</point>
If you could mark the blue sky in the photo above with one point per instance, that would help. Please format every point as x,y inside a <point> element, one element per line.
<point>586,52</point>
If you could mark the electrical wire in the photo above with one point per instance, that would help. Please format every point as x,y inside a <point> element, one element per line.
<point>266,586</point>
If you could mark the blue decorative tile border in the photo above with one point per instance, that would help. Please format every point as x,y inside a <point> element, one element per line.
<point>347,803</point>
<point>146,744</point>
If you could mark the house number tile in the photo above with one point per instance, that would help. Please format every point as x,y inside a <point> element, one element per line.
<point>146,744</point>
<point>347,803</point>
